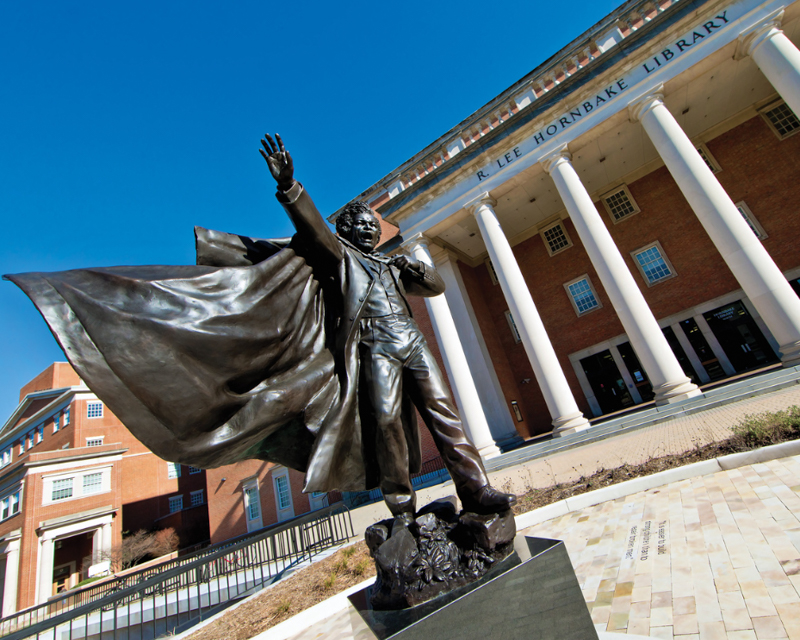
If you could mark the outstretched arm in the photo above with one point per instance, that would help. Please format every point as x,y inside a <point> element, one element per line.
<point>311,228</point>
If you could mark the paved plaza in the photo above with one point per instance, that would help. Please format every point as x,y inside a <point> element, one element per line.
<point>715,556</point>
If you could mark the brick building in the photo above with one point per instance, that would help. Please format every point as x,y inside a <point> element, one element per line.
<point>72,479</point>
<point>619,226</point>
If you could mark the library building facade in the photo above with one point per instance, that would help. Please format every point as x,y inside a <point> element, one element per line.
<point>620,226</point>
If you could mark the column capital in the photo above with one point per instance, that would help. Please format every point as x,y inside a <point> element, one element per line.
<point>557,157</point>
<point>482,200</point>
<point>640,106</point>
<point>412,241</point>
<point>751,38</point>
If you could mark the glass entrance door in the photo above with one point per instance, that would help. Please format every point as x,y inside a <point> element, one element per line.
<point>703,350</point>
<point>740,337</point>
<point>606,382</point>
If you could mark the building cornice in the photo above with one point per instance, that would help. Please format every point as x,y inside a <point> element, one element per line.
<point>607,42</point>
<point>62,396</point>
<point>33,464</point>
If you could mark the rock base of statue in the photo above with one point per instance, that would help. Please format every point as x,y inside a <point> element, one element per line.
<point>420,559</point>
<point>533,593</point>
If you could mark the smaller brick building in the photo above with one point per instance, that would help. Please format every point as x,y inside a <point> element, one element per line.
<point>72,480</point>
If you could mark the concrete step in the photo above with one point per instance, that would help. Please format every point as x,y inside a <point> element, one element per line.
<point>768,382</point>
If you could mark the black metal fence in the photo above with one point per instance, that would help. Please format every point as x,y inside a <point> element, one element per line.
<point>174,595</point>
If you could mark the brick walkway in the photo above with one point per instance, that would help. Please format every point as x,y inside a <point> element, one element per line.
<point>714,557</point>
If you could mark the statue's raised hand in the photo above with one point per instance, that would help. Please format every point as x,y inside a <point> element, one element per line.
<point>279,161</point>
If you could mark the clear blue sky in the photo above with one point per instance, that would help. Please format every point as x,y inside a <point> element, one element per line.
<point>124,124</point>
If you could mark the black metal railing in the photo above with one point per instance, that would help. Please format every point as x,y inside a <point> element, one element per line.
<point>178,593</point>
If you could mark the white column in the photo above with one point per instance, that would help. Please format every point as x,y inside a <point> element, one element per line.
<point>11,578</point>
<point>670,383</point>
<point>46,557</point>
<point>567,418</point>
<point>776,56</point>
<point>490,392</point>
<point>108,539</point>
<point>739,247</point>
<point>455,362</point>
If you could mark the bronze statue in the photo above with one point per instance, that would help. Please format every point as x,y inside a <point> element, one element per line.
<point>381,348</point>
<point>300,351</point>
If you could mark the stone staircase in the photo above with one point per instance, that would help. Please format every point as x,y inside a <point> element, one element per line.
<point>602,428</point>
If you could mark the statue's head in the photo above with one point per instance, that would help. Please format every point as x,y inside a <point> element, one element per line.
<point>359,226</point>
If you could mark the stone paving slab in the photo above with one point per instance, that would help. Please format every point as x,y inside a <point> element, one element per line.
<point>717,556</point>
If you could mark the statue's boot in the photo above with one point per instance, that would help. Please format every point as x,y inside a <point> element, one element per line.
<point>487,500</point>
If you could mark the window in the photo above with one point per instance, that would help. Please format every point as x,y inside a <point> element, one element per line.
<point>513,326</point>
<point>66,416</point>
<point>781,119</point>
<point>95,442</point>
<point>175,504</point>
<point>92,483</point>
<point>751,221</point>
<point>194,470</point>
<point>22,446</point>
<point>6,460</point>
<point>173,470</point>
<point>282,492</point>
<point>9,505</point>
<point>196,498</point>
<point>492,272</point>
<point>652,264</point>
<point>30,440</point>
<point>620,204</point>
<point>711,161</point>
<point>555,238</point>
<point>78,485</point>
<point>251,503</point>
<point>62,489</point>
<point>94,409</point>
<point>582,295</point>
<point>39,433</point>
<point>56,422</point>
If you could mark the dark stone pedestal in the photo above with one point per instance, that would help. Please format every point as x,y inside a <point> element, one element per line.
<point>531,595</point>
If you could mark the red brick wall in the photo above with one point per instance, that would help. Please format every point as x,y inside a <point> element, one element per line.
<point>226,497</point>
<point>56,376</point>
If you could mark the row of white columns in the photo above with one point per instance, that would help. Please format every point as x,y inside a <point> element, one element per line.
<point>758,275</point>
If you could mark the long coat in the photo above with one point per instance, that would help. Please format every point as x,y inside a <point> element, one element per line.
<point>252,353</point>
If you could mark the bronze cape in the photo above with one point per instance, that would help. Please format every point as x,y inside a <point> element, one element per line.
<point>235,358</point>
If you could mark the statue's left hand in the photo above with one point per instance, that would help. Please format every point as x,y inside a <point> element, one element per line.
<point>405,263</point>
<point>279,161</point>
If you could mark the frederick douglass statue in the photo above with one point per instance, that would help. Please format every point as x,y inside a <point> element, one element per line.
<point>300,351</point>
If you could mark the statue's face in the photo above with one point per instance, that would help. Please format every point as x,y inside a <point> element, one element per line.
<point>365,232</point>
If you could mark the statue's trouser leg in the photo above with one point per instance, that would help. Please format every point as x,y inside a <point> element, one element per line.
<point>424,382</point>
<point>396,359</point>
<point>381,376</point>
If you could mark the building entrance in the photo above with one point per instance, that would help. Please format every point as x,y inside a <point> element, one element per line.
<point>606,382</point>
<point>703,350</point>
<point>740,337</point>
